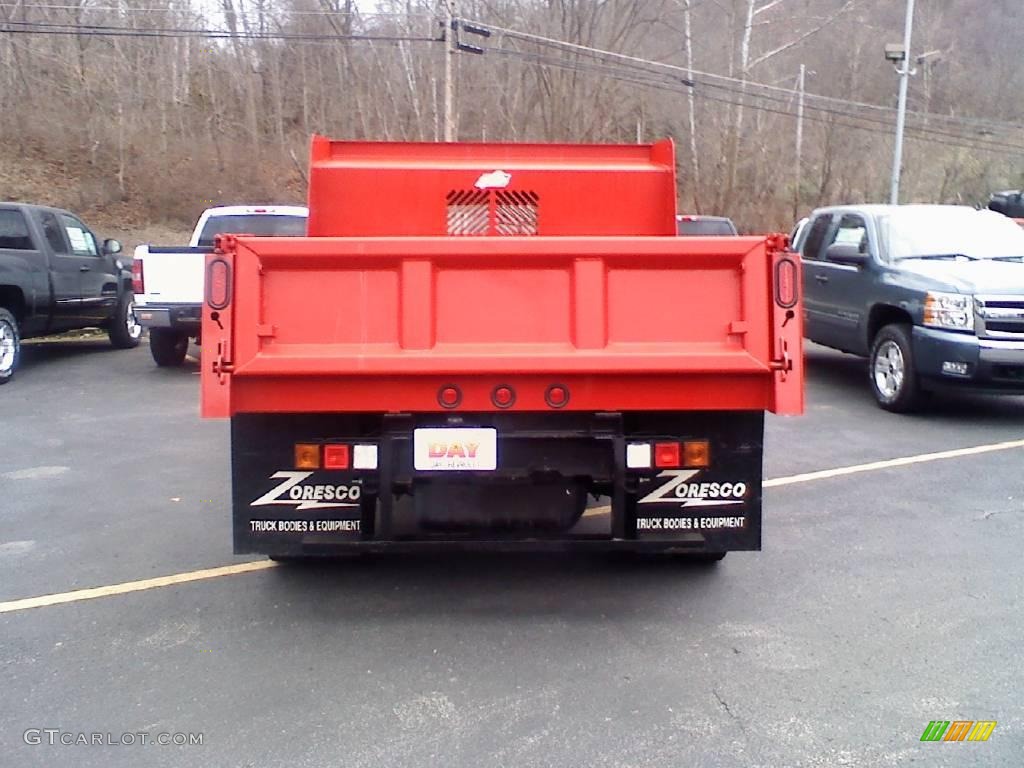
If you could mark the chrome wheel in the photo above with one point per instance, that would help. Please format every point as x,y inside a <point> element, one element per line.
<point>889,369</point>
<point>131,323</point>
<point>8,347</point>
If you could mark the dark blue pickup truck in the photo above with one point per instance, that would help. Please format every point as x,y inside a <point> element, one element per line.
<point>56,276</point>
<point>933,295</point>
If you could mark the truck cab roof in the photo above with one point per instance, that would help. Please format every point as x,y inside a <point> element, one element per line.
<point>248,210</point>
<point>10,205</point>
<point>701,225</point>
<point>254,219</point>
<point>881,209</point>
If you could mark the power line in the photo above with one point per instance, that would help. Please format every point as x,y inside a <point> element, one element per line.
<point>679,87</point>
<point>750,87</point>
<point>873,119</point>
<point>238,12</point>
<point>629,69</point>
<point>593,52</point>
<point>641,76</point>
<point>98,30</point>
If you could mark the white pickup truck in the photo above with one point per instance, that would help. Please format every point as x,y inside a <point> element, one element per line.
<point>168,281</point>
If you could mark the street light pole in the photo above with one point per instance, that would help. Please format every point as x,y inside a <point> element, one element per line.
<point>901,111</point>
<point>799,143</point>
<point>449,56</point>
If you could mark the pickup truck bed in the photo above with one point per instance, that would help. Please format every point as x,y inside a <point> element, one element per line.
<point>168,280</point>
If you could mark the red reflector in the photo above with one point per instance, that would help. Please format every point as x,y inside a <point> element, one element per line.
<point>336,456</point>
<point>785,283</point>
<point>449,397</point>
<point>138,278</point>
<point>218,284</point>
<point>666,454</point>
<point>503,397</point>
<point>556,396</point>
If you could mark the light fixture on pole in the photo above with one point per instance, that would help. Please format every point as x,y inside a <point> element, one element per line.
<point>900,54</point>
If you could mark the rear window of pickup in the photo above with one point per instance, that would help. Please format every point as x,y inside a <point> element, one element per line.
<point>263,225</point>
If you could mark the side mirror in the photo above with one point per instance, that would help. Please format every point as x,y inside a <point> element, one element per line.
<point>111,247</point>
<point>846,253</point>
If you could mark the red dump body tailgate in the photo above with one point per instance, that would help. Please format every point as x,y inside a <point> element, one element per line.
<point>355,324</point>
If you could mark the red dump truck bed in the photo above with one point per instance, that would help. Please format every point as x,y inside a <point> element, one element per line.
<point>379,324</point>
<point>526,292</point>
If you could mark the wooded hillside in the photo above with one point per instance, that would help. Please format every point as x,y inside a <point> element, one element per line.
<point>167,107</point>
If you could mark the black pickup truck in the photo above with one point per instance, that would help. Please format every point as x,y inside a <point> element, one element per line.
<point>933,295</point>
<point>55,277</point>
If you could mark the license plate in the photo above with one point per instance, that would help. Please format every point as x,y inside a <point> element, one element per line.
<point>455,448</point>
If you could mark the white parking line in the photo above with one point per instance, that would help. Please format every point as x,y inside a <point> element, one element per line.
<point>262,565</point>
<point>872,466</point>
<point>134,586</point>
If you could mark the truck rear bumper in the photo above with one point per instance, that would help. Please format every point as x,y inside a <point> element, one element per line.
<point>948,359</point>
<point>535,498</point>
<point>186,318</point>
<point>332,549</point>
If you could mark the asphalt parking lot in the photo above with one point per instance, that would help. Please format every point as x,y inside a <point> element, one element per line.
<point>883,599</point>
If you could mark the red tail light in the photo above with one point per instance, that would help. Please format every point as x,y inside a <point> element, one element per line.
<point>138,278</point>
<point>785,283</point>
<point>666,455</point>
<point>336,456</point>
<point>218,284</point>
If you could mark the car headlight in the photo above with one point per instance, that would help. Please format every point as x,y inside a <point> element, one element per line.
<point>954,311</point>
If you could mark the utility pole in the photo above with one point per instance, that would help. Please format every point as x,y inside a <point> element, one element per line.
<point>449,63</point>
<point>799,143</point>
<point>901,111</point>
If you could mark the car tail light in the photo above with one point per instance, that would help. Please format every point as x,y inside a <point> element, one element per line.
<point>307,456</point>
<point>218,284</point>
<point>666,455</point>
<point>336,456</point>
<point>785,283</point>
<point>138,278</point>
<point>638,455</point>
<point>696,453</point>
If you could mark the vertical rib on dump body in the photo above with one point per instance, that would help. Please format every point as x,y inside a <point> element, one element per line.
<point>534,297</point>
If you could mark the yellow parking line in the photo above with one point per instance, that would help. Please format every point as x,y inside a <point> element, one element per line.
<point>262,565</point>
<point>872,466</point>
<point>134,586</point>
